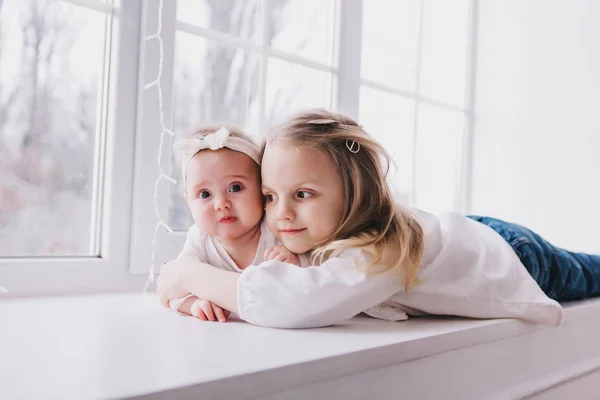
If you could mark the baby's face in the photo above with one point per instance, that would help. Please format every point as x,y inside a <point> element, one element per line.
<point>223,193</point>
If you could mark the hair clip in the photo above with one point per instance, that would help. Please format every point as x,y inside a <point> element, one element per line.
<point>322,121</point>
<point>352,146</point>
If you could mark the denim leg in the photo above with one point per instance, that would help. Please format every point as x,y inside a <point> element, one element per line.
<point>563,275</point>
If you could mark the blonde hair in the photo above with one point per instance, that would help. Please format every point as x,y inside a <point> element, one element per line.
<point>370,220</point>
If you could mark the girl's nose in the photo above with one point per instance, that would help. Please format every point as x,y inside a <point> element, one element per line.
<point>284,212</point>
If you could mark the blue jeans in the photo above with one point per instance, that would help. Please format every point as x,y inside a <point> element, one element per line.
<point>563,275</point>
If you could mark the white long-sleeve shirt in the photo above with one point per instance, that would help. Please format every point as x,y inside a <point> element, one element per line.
<point>467,270</point>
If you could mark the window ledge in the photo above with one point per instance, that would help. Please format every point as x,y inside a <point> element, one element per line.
<point>123,345</point>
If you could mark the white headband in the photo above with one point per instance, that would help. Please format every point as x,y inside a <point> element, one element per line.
<point>215,141</point>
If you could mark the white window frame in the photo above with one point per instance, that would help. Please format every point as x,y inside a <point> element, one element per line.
<point>148,140</point>
<point>26,276</point>
<point>464,191</point>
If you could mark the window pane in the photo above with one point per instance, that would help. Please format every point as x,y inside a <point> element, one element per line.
<point>51,84</point>
<point>390,42</point>
<point>303,27</point>
<point>213,85</point>
<point>235,17</point>
<point>292,88</point>
<point>438,150</point>
<point>390,120</point>
<point>444,50</point>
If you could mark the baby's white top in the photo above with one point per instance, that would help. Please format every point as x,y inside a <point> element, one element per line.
<point>207,249</point>
<point>467,270</point>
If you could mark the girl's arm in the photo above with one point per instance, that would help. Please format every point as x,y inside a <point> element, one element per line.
<point>282,295</point>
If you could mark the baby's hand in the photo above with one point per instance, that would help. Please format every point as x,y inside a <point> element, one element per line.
<point>281,253</point>
<point>206,311</point>
<point>203,310</point>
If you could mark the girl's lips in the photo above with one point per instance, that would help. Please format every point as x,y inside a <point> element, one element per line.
<point>227,220</point>
<point>292,231</point>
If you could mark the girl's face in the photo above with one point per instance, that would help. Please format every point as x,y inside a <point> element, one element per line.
<point>223,193</point>
<point>303,193</point>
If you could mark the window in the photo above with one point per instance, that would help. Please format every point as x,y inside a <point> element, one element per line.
<point>83,146</point>
<point>413,84</point>
<point>52,120</point>
<point>66,104</point>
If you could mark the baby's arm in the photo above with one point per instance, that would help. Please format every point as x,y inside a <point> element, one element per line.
<point>191,305</point>
<point>281,253</point>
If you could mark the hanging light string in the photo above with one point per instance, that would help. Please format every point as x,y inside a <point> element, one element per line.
<point>163,131</point>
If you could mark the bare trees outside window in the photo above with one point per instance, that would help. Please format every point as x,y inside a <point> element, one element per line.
<point>51,72</point>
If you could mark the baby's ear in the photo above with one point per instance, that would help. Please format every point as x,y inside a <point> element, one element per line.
<point>185,196</point>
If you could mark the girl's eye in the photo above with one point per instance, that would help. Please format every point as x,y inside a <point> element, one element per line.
<point>303,194</point>
<point>236,187</point>
<point>205,194</point>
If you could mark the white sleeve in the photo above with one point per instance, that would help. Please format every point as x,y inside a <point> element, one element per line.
<point>276,294</point>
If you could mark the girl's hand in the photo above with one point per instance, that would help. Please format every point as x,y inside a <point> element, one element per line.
<point>281,253</point>
<point>171,281</point>
<point>206,311</point>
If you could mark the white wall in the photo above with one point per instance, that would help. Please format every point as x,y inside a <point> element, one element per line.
<point>537,125</point>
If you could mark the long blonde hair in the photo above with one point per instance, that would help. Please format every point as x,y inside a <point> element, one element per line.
<point>370,220</point>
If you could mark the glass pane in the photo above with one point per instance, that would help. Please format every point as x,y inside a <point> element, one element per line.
<point>303,27</point>
<point>235,17</point>
<point>51,81</point>
<point>213,85</point>
<point>444,50</point>
<point>390,120</point>
<point>438,150</point>
<point>390,42</point>
<point>292,88</point>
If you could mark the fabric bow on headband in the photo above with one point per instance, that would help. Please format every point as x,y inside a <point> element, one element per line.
<point>215,141</point>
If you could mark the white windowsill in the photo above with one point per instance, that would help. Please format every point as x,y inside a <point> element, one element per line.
<point>123,345</point>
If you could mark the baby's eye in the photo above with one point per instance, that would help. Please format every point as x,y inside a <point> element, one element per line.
<point>204,194</point>
<point>269,197</point>
<point>303,194</point>
<point>236,187</point>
